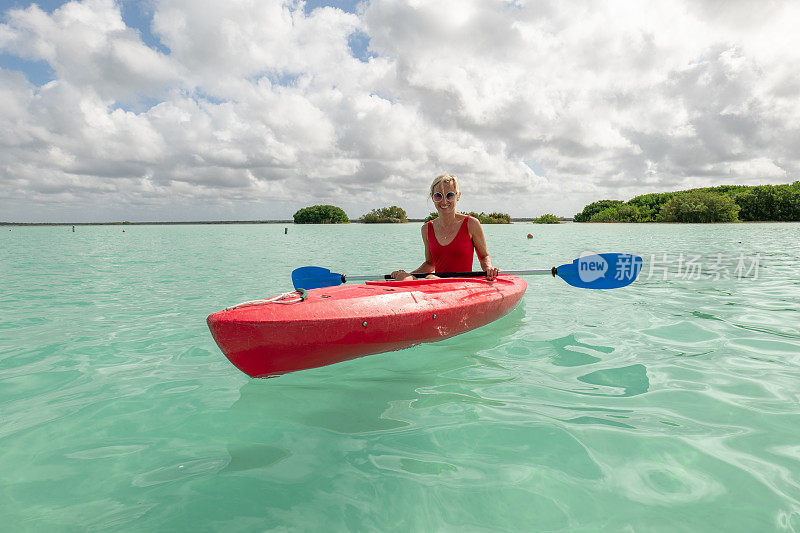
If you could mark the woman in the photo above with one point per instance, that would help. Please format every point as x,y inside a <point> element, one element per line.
<point>452,238</point>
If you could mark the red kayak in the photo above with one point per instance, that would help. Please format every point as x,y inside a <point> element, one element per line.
<point>324,326</point>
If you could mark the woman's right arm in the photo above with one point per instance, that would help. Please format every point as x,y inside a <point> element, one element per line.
<point>424,268</point>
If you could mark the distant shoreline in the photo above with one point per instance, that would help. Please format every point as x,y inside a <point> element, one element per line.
<point>198,222</point>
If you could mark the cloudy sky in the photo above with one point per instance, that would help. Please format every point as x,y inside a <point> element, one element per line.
<point>250,109</point>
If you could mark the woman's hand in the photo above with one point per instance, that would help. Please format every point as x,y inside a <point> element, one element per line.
<point>491,273</point>
<point>401,275</point>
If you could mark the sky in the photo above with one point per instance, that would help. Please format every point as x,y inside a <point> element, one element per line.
<point>177,110</point>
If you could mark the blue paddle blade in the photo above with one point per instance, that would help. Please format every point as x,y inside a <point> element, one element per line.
<point>311,277</point>
<point>601,271</point>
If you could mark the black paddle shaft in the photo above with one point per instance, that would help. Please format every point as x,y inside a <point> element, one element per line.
<point>473,274</point>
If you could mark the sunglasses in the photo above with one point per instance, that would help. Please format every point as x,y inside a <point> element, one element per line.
<point>438,197</point>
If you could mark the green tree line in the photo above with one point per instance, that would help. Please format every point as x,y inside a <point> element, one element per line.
<point>483,218</point>
<point>385,215</point>
<point>321,214</point>
<point>547,218</point>
<point>330,214</point>
<point>725,203</point>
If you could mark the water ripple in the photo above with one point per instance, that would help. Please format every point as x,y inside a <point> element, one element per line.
<point>671,404</point>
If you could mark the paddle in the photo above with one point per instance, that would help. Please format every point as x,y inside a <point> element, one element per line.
<point>599,271</point>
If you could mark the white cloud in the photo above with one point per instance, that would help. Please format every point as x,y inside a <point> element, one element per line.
<point>258,103</point>
<point>88,46</point>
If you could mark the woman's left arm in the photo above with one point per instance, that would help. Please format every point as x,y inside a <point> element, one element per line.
<point>478,239</point>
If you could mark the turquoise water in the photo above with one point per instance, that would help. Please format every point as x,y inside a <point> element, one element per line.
<point>669,405</point>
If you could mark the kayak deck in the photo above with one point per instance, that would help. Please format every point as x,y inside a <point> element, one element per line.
<point>334,324</point>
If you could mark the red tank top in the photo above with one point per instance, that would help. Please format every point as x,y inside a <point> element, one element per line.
<point>456,256</point>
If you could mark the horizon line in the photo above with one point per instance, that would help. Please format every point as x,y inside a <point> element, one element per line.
<point>190,222</point>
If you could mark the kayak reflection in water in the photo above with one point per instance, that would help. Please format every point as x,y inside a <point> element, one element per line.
<point>450,239</point>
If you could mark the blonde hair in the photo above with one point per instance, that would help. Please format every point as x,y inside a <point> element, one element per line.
<point>444,178</point>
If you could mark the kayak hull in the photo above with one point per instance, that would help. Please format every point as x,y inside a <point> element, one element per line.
<point>335,324</point>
